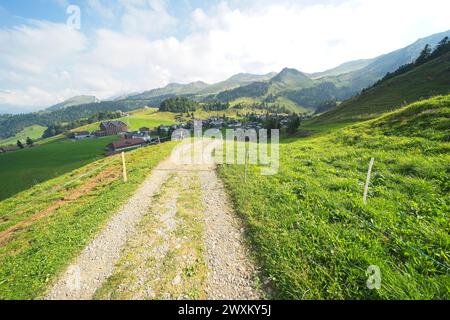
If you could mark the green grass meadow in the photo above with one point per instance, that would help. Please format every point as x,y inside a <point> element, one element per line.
<point>20,170</point>
<point>34,132</point>
<point>310,230</point>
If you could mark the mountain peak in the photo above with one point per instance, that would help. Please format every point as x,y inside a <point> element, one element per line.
<point>290,77</point>
<point>249,77</point>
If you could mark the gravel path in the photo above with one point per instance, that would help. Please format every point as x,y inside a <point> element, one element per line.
<point>232,275</point>
<point>96,262</point>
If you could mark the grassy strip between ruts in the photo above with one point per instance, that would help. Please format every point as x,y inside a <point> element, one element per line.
<point>164,258</point>
<point>33,257</point>
<point>305,222</point>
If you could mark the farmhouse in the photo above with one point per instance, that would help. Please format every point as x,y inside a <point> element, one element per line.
<point>125,144</point>
<point>138,135</point>
<point>214,122</point>
<point>80,135</point>
<point>111,128</point>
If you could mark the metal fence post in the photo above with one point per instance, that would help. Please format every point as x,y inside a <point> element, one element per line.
<point>366,186</point>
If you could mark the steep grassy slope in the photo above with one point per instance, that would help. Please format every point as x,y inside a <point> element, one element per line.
<point>65,219</point>
<point>34,132</point>
<point>428,119</point>
<point>379,66</point>
<point>424,81</point>
<point>316,239</point>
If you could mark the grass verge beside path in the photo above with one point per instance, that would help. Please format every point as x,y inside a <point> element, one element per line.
<point>34,256</point>
<point>306,222</point>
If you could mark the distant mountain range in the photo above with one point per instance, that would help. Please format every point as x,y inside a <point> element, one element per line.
<point>75,101</point>
<point>290,90</point>
<point>293,89</point>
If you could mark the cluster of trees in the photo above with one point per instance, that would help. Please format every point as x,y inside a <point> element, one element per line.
<point>183,104</point>
<point>270,98</point>
<point>59,128</point>
<point>272,108</point>
<point>10,125</point>
<point>216,106</point>
<point>178,105</point>
<point>29,143</point>
<point>293,124</point>
<point>426,55</point>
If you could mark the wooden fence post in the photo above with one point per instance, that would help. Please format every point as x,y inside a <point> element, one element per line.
<point>124,165</point>
<point>366,187</point>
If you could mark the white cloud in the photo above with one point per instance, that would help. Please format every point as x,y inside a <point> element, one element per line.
<point>106,12</point>
<point>25,97</point>
<point>42,63</point>
<point>147,17</point>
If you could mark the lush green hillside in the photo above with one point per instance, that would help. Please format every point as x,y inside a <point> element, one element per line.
<point>147,117</point>
<point>25,168</point>
<point>428,119</point>
<point>279,92</point>
<point>314,236</point>
<point>34,132</point>
<point>10,125</point>
<point>429,79</point>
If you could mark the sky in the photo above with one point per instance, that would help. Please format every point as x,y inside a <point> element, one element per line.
<point>49,54</point>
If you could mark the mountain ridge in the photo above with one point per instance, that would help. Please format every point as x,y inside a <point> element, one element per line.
<point>423,81</point>
<point>73,101</point>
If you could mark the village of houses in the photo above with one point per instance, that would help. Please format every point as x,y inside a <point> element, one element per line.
<point>146,136</point>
